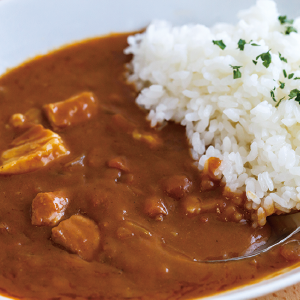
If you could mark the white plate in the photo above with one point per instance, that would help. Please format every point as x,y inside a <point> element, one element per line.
<point>32,27</point>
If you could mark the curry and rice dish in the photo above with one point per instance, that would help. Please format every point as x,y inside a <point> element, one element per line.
<point>99,203</point>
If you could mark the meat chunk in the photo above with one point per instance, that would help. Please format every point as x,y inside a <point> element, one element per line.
<point>32,150</point>
<point>72,111</point>
<point>79,235</point>
<point>155,208</point>
<point>48,208</point>
<point>177,186</point>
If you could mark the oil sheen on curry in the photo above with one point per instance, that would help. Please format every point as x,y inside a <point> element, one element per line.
<point>95,204</point>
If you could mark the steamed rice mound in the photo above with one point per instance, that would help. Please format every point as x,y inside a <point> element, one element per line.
<point>251,122</point>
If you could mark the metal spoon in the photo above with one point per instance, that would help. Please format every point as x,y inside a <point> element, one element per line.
<point>283,227</point>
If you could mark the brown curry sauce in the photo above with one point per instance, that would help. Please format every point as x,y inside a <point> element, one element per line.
<point>139,214</point>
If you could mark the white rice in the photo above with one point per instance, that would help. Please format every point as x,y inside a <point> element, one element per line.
<point>183,76</point>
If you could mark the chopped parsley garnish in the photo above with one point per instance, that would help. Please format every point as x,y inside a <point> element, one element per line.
<point>296,78</point>
<point>282,58</point>
<point>284,20</point>
<point>277,104</point>
<point>254,61</point>
<point>282,85</point>
<point>284,73</point>
<point>236,72</point>
<point>266,58</point>
<point>273,95</point>
<point>294,93</point>
<point>291,76</point>
<point>220,44</point>
<point>241,44</point>
<point>290,29</point>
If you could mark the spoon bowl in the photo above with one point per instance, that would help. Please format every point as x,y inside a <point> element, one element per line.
<point>283,227</point>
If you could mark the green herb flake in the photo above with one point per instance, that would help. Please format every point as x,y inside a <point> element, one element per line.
<point>290,29</point>
<point>291,76</point>
<point>284,20</point>
<point>236,72</point>
<point>282,85</point>
<point>282,58</point>
<point>254,44</point>
<point>241,44</point>
<point>220,44</point>
<point>273,95</point>
<point>284,73</point>
<point>296,78</point>
<point>277,104</point>
<point>266,58</point>
<point>254,61</point>
<point>294,93</point>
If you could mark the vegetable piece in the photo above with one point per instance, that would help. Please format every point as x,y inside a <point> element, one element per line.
<point>79,235</point>
<point>32,117</point>
<point>118,163</point>
<point>266,58</point>
<point>236,72</point>
<point>191,206</point>
<point>254,61</point>
<point>291,76</point>
<point>48,208</point>
<point>151,139</point>
<point>220,44</point>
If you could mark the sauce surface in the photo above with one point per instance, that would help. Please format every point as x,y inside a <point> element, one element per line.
<point>132,215</point>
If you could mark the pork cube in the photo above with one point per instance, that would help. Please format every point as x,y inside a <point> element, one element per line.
<point>48,208</point>
<point>72,111</point>
<point>177,186</point>
<point>32,150</point>
<point>79,235</point>
<point>155,208</point>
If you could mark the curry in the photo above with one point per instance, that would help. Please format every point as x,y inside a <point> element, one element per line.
<point>95,204</point>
